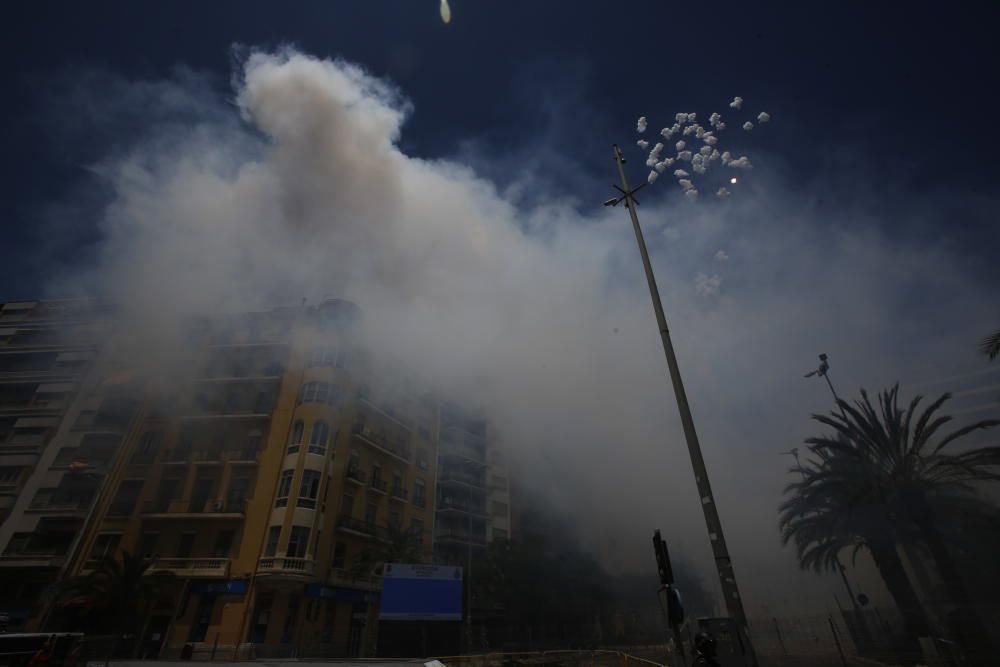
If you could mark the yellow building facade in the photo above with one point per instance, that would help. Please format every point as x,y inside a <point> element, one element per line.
<point>272,483</point>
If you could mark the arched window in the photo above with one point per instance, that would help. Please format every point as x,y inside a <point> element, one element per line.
<point>317,439</point>
<point>298,430</point>
<point>319,392</point>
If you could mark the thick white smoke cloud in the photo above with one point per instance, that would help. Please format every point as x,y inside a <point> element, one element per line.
<point>540,314</point>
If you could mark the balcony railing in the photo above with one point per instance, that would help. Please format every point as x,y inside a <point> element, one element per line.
<point>348,579</point>
<point>192,454</point>
<point>460,536</point>
<point>360,526</point>
<point>393,446</point>
<point>462,478</point>
<point>356,475</point>
<point>193,567</point>
<point>200,506</point>
<point>378,485</point>
<point>282,565</point>
<point>399,493</point>
<point>457,505</point>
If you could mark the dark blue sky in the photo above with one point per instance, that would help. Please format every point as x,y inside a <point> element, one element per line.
<point>887,100</point>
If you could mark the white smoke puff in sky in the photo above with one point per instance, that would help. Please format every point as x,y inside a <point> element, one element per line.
<point>651,161</point>
<point>657,148</point>
<point>691,129</point>
<point>691,194</point>
<point>666,132</point>
<point>737,102</point>
<point>660,167</point>
<point>714,155</point>
<point>675,128</point>
<point>742,163</point>
<point>640,125</point>
<point>706,150</point>
<point>681,144</point>
<point>653,175</point>
<point>699,168</point>
<point>748,126</point>
<point>722,255</point>
<point>445,11</point>
<point>684,155</point>
<point>671,233</point>
<point>668,161</point>
<point>692,117</point>
<point>707,285</point>
<point>763,117</point>
<point>700,133</point>
<point>720,126</point>
<point>685,183</point>
<point>710,139</point>
<point>681,118</point>
<point>722,192</point>
<point>726,157</point>
<point>642,143</point>
<point>680,173</point>
<point>714,119</point>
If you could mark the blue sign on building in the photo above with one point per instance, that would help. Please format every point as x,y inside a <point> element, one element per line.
<point>421,593</point>
<point>222,587</point>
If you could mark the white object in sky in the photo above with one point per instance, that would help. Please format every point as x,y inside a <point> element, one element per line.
<point>763,117</point>
<point>680,173</point>
<point>666,132</point>
<point>737,102</point>
<point>684,155</point>
<point>445,11</point>
<point>691,194</point>
<point>681,118</point>
<point>733,180</point>
<point>660,167</point>
<point>714,155</point>
<point>710,139</point>
<point>742,163</point>
<point>726,157</point>
<point>720,126</point>
<point>723,192</point>
<point>681,144</point>
<point>685,183</point>
<point>691,117</point>
<point>706,150</point>
<point>722,255</point>
<point>714,119</point>
<point>691,129</point>
<point>640,125</point>
<point>653,175</point>
<point>642,143</point>
<point>748,126</point>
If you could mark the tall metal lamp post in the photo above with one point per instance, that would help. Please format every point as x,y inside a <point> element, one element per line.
<point>723,562</point>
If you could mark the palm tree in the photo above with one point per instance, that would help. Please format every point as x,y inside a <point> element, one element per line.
<point>990,346</point>
<point>122,592</point>
<point>876,479</point>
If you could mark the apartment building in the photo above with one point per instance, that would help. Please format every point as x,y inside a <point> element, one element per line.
<point>473,499</point>
<point>273,486</point>
<point>58,439</point>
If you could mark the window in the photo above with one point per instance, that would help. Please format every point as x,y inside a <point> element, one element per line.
<point>309,488</point>
<point>10,475</point>
<point>147,544</point>
<point>421,458</point>
<point>273,533</point>
<point>145,450</point>
<point>105,546</point>
<point>347,505</point>
<point>417,528</point>
<point>251,445</point>
<point>319,392</point>
<point>499,508</point>
<point>297,542</point>
<point>126,498</point>
<point>223,543</point>
<point>185,545</point>
<point>339,556</point>
<point>317,439</point>
<point>371,514</point>
<point>499,534</point>
<point>298,430</point>
<point>284,488</point>
<point>419,498</point>
<point>395,518</point>
<point>264,402</point>
<point>327,356</point>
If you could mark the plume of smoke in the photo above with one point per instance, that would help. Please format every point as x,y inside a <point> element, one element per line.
<point>640,125</point>
<point>680,173</point>
<point>691,194</point>
<point>653,175</point>
<point>748,126</point>
<point>707,285</point>
<point>722,192</point>
<point>721,256</point>
<point>763,117</point>
<point>684,155</point>
<point>642,143</point>
<point>681,144</point>
<point>741,163</point>
<point>685,184</point>
<point>737,102</point>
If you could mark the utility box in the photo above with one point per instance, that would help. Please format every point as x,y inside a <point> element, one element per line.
<point>731,651</point>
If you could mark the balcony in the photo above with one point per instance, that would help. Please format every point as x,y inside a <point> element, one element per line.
<point>360,527</point>
<point>399,493</point>
<point>346,579</point>
<point>193,567</point>
<point>232,508</point>
<point>394,447</point>
<point>386,411</point>
<point>304,567</point>
<point>452,506</point>
<point>356,475</point>
<point>462,478</point>
<point>459,537</point>
<point>378,486</point>
<point>212,455</point>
